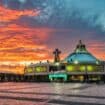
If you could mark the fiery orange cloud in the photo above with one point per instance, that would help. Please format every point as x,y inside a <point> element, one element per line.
<point>19,43</point>
<point>7,14</point>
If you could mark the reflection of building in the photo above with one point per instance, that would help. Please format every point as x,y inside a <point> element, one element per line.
<point>79,65</point>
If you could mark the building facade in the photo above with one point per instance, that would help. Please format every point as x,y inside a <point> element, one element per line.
<point>80,65</point>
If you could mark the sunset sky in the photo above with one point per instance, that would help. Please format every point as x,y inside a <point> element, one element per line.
<point>31,29</point>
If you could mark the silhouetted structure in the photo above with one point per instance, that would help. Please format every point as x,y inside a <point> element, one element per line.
<point>57,53</point>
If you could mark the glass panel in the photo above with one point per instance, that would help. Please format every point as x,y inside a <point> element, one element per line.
<point>82,68</point>
<point>29,70</point>
<point>92,68</point>
<point>70,68</point>
<point>40,69</point>
<point>75,68</point>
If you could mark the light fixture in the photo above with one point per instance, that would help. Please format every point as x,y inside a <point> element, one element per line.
<point>97,62</point>
<point>57,63</point>
<point>76,62</point>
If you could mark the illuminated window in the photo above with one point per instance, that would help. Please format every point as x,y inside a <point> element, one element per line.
<point>40,69</point>
<point>30,70</point>
<point>69,68</point>
<point>90,68</point>
<point>82,68</point>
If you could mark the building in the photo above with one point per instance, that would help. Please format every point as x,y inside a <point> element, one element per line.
<point>81,61</point>
<point>80,65</point>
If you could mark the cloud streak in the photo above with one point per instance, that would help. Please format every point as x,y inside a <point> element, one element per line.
<point>23,43</point>
<point>7,15</point>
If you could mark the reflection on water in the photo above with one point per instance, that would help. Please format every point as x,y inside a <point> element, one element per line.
<point>51,94</point>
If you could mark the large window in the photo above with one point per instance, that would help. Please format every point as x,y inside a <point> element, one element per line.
<point>83,68</point>
<point>29,70</point>
<point>93,68</point>
<point>75,68</point>
<point>40,69</point>
<point>37,69</point>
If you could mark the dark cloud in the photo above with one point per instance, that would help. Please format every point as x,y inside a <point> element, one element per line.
<point>63,13</point>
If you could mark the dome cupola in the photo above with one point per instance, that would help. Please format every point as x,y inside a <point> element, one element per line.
<point>81,56</point>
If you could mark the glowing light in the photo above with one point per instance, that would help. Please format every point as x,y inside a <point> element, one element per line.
<point>57,64</point>
<point>38,69</point>
<point>97,62</point>
<point>82,68</point>
<point>69,68</point>
<point>90,68</point>
<point>41,69</point>
<point>64,76</point>
<point>76,62</point>
<point>29,70</point>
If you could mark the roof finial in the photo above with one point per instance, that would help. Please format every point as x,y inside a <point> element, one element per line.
<point>80,42</point>
<point>80,47</point>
